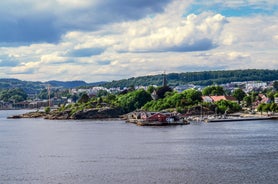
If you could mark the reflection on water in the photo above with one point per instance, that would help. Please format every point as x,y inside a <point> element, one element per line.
<point>43,151</point>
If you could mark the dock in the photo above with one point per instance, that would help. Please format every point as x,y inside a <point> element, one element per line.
<point>240,119</point>
<point>156,123</point>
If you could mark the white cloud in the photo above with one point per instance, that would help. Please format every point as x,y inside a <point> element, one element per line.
<point>253,34</point>
<point>150,45</point>
<point>194,32</point>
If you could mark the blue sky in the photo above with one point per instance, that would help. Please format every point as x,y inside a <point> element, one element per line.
<point>97,40</point>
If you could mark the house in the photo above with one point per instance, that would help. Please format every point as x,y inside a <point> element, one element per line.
<point>154,95</point>
<point>207,99</point>
<point>157,117</point>
<point>212,99</point>
<point>228,98</point>
<point>264,99</point>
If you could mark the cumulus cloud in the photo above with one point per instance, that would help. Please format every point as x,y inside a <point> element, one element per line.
<point>85,52</point>
<point>257,32</point>
<point>45,21</point>
<point>8,61</point>
<point>158,36</point>
<point>194,33</point>
<point>259,4</point>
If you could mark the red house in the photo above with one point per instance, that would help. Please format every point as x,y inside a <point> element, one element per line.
<point>157,117</point>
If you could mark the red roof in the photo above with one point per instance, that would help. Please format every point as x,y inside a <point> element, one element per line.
<point>218,98</point>
<point>157,117</point>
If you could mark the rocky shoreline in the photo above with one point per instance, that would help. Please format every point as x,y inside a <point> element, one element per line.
<point>94,113</point>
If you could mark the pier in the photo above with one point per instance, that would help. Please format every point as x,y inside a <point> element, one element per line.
<point>241,119</point>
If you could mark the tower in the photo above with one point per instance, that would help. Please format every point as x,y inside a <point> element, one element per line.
<point>164,80</point>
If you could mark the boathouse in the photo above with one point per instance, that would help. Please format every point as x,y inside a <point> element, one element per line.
<point>157,117</point>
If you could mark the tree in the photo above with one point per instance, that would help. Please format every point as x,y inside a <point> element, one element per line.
<point>17,98</point>
<point>266,108</point>
<point>239,94</point>
<point>224,105</point>
<point>175,100</point>
<point>84,98</point>
<point>133,100</point>
<point>194,96</point>
<point>213,90</point>
<point>275,85</point>
<point>44,94</point>
<point>248,100</point>
<point>162,90</point>
<point>74,97</point>
<point>101,93</point>
<point>270,95</point>
<point>273,107</point>
<point>47,110</point>
<point>260,108</point>
<point>110,98</point>
<point>15,95</point>
<point>150,89</point>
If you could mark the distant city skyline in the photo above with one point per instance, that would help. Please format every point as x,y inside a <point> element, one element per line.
<point>95,40</point>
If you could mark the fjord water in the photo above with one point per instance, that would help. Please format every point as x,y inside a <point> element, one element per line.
<point>44,151</point>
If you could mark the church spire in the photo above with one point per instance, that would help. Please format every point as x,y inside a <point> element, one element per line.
<point>164,79</point>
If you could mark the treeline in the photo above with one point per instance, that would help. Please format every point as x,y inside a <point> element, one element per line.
<point>204,78</point>
<point>189,101</point>
<point>12,95</point>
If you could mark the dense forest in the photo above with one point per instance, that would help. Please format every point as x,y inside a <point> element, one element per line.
<point>204,78</point>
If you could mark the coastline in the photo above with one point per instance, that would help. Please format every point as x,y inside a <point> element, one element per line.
<point>116,114</point>
<point>95,113</point>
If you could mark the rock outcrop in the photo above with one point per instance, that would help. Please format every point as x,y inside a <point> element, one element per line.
<point>97,113</point>
<point>94,113</point>
<point>37,114</point>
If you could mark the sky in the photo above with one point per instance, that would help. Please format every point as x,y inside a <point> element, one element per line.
<point>105,40</point>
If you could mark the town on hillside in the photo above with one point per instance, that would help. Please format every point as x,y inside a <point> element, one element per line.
<point>248,94</point>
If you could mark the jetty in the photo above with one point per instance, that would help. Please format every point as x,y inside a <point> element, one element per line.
<point>240,119</point>
<point>157,123</point>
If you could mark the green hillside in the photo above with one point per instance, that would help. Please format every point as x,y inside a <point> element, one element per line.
<point>199,78</point>
<point>35,87</point>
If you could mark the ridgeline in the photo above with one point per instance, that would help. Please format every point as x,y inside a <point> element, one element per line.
<point>36,87</point>
<point>204,78</point>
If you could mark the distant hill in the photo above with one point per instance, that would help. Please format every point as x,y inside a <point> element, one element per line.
<point>73,84</point>
<point>174,79</point>
<point>27,86</point>
<point>35,87</point>
<point>199,78</point>
<point>67,84</point>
